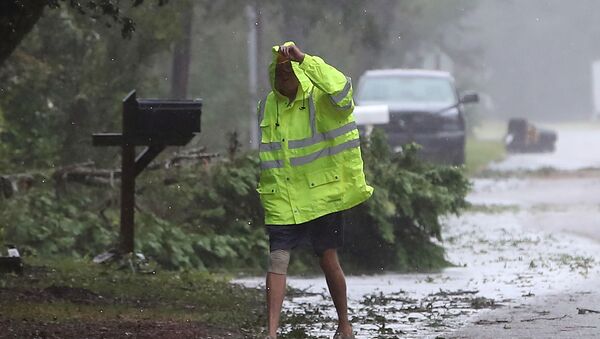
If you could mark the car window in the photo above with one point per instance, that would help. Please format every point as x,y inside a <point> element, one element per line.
<point>407,89</point>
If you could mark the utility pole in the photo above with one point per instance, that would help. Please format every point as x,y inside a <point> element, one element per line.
<point>252,74</point>
<point>596,90</point>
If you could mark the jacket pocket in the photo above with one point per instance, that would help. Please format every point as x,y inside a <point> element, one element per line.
<point>325,185</point>
<point>266,132</point>
<point>271,189</point>
<point>269,198</point>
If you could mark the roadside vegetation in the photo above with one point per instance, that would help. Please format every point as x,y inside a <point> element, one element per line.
<point>209,217</point>
<point>482,152</point>
<point>484,145</point>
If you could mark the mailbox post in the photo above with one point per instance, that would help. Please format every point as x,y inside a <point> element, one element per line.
<point>155,124</point>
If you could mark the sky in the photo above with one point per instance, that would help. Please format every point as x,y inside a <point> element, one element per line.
<point>538,56</point>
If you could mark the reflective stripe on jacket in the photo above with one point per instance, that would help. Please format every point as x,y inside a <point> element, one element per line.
<point>310,155</point>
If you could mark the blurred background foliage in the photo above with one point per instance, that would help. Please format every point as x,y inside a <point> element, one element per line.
<point>66,78</point>
<point>68,75</point>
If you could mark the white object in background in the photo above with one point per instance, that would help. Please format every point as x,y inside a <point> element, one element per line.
<point>372,114</point>
<point>13,252</point>
<point>596,89</point>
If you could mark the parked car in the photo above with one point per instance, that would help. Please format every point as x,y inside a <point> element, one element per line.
<point>524,137</point>
<point>424,107</point>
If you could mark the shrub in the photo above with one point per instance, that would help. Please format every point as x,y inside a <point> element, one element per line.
<point>393,229</point>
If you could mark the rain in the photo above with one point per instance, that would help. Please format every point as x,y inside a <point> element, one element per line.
<point>429,168</point>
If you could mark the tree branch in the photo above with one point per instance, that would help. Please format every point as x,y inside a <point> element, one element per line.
<point>17,18</point>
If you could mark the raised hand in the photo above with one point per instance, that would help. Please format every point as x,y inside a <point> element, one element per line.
<point>292,52</point>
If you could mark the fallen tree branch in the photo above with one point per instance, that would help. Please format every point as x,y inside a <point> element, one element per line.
<point>491,322</point>
<point>534,319</point>
<point>586,310</point>
<point>443,293</point>
<point>86,174</point>
<point>177,159</point>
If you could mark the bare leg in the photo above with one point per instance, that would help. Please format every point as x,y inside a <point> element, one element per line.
<point>337,288</point>
<point>275,294</point>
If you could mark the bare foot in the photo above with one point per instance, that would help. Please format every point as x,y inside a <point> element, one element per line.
<point>344,331</point>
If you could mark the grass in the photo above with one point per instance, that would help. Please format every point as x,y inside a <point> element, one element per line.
<point>89,292</point>
<point>486,146</point>
<point>493,208</point>
<point>481,152</point>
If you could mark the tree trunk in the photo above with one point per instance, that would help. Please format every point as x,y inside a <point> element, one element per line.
<point>182,56</point>
<point>17,18</point>
<point>76,132</point>
<point>264,55</point>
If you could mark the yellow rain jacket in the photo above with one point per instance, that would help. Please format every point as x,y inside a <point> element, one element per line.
<point>310,156</point>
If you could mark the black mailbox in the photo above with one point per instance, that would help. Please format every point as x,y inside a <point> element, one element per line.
<point>149,122</point>
<point>166,122</point>
<point>153,123</point>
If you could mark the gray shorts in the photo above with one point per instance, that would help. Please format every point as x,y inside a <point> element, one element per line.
<point>324,233</point>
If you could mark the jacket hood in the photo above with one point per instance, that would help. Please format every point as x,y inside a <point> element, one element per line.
<point>305,82</point>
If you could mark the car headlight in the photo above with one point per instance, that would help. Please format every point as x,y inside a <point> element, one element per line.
<point>451,120</point>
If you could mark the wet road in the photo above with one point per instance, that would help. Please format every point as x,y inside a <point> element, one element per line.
<point>564,204</point>
<point>562,191</point>
<point>575,149</point>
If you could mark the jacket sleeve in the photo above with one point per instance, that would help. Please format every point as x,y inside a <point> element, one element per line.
<point>329,80</point>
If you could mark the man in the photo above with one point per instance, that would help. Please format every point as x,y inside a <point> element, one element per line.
<point>311,171</point>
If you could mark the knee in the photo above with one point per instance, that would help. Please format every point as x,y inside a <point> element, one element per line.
<point>329,256</point>
<point>329,259</point>
<point>279,261</point>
